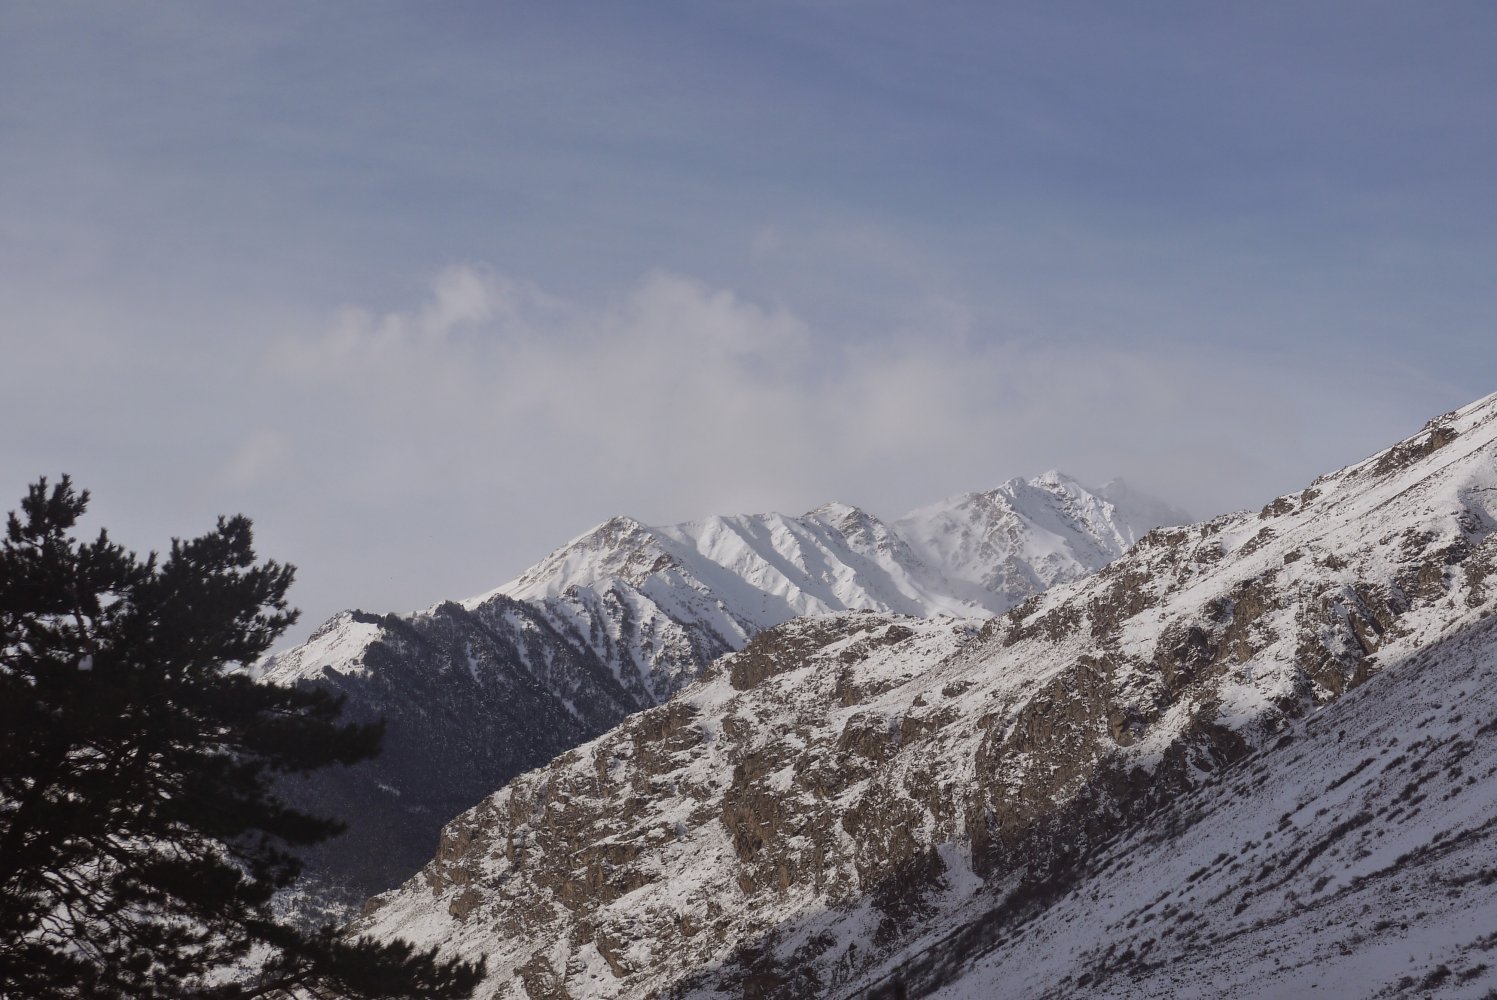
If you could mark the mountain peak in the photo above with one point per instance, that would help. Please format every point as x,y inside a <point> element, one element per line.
<point>834,510</point>
<point>1030,534</point>
<point>619,547</point>
<point>973,554</point>
<point>1054,477</point>
<point>611,531</point>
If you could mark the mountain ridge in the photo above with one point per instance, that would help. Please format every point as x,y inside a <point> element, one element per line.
<point>615,622</point>
<point>850,785</point>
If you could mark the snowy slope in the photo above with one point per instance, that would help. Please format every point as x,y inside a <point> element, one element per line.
<point>1355,856</point>
<point>857,794</point>
<point>618,620</point>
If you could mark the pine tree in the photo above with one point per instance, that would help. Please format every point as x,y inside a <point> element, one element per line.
<point>141,843</point>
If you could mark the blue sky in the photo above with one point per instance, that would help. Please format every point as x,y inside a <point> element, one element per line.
<point>427,289</point>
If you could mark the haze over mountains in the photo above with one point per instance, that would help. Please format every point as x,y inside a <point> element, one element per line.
<point>1151,781</point>
<point>619,619</point>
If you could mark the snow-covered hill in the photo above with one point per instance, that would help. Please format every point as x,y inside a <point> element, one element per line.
<point>620,618</point>
<point>864,802</point>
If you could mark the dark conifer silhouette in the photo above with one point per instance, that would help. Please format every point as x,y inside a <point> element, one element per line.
<point>140,841</point>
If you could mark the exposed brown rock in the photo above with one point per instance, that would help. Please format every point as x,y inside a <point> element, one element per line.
<point>1403,455</point>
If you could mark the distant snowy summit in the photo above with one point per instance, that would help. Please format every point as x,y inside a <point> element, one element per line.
<point>1030,534</point>
<point>715,583</point>
<point>939,559</point>
<point>623,616</point>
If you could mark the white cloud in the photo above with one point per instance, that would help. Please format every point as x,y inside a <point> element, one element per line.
<point>677,400</point>
<point>462,296</point>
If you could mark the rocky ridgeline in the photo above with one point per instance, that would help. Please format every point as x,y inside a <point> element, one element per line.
<point>624,616</point>
<point>849,789</point>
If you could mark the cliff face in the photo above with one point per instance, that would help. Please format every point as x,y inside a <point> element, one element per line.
<point>849,790</point>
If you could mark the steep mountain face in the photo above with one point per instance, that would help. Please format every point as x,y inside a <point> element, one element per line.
<point>624,616</point>
<point>467,695</point>
<point>871,803</point>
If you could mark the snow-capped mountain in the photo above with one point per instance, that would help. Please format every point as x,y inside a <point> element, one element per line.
<point>1125,775</point>
<point>660,602</point>
<point>620,618</point>
<point>1007,544</point>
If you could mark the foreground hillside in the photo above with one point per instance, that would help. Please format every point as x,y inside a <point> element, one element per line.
<point>620,618</point>
<point>1354,856</point>
<point>850,791</point>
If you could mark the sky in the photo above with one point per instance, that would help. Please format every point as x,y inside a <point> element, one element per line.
<point>428,289</point>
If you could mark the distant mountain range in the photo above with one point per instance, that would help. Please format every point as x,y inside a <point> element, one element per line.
<point>1251,757</point>
<point>620,618</point>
